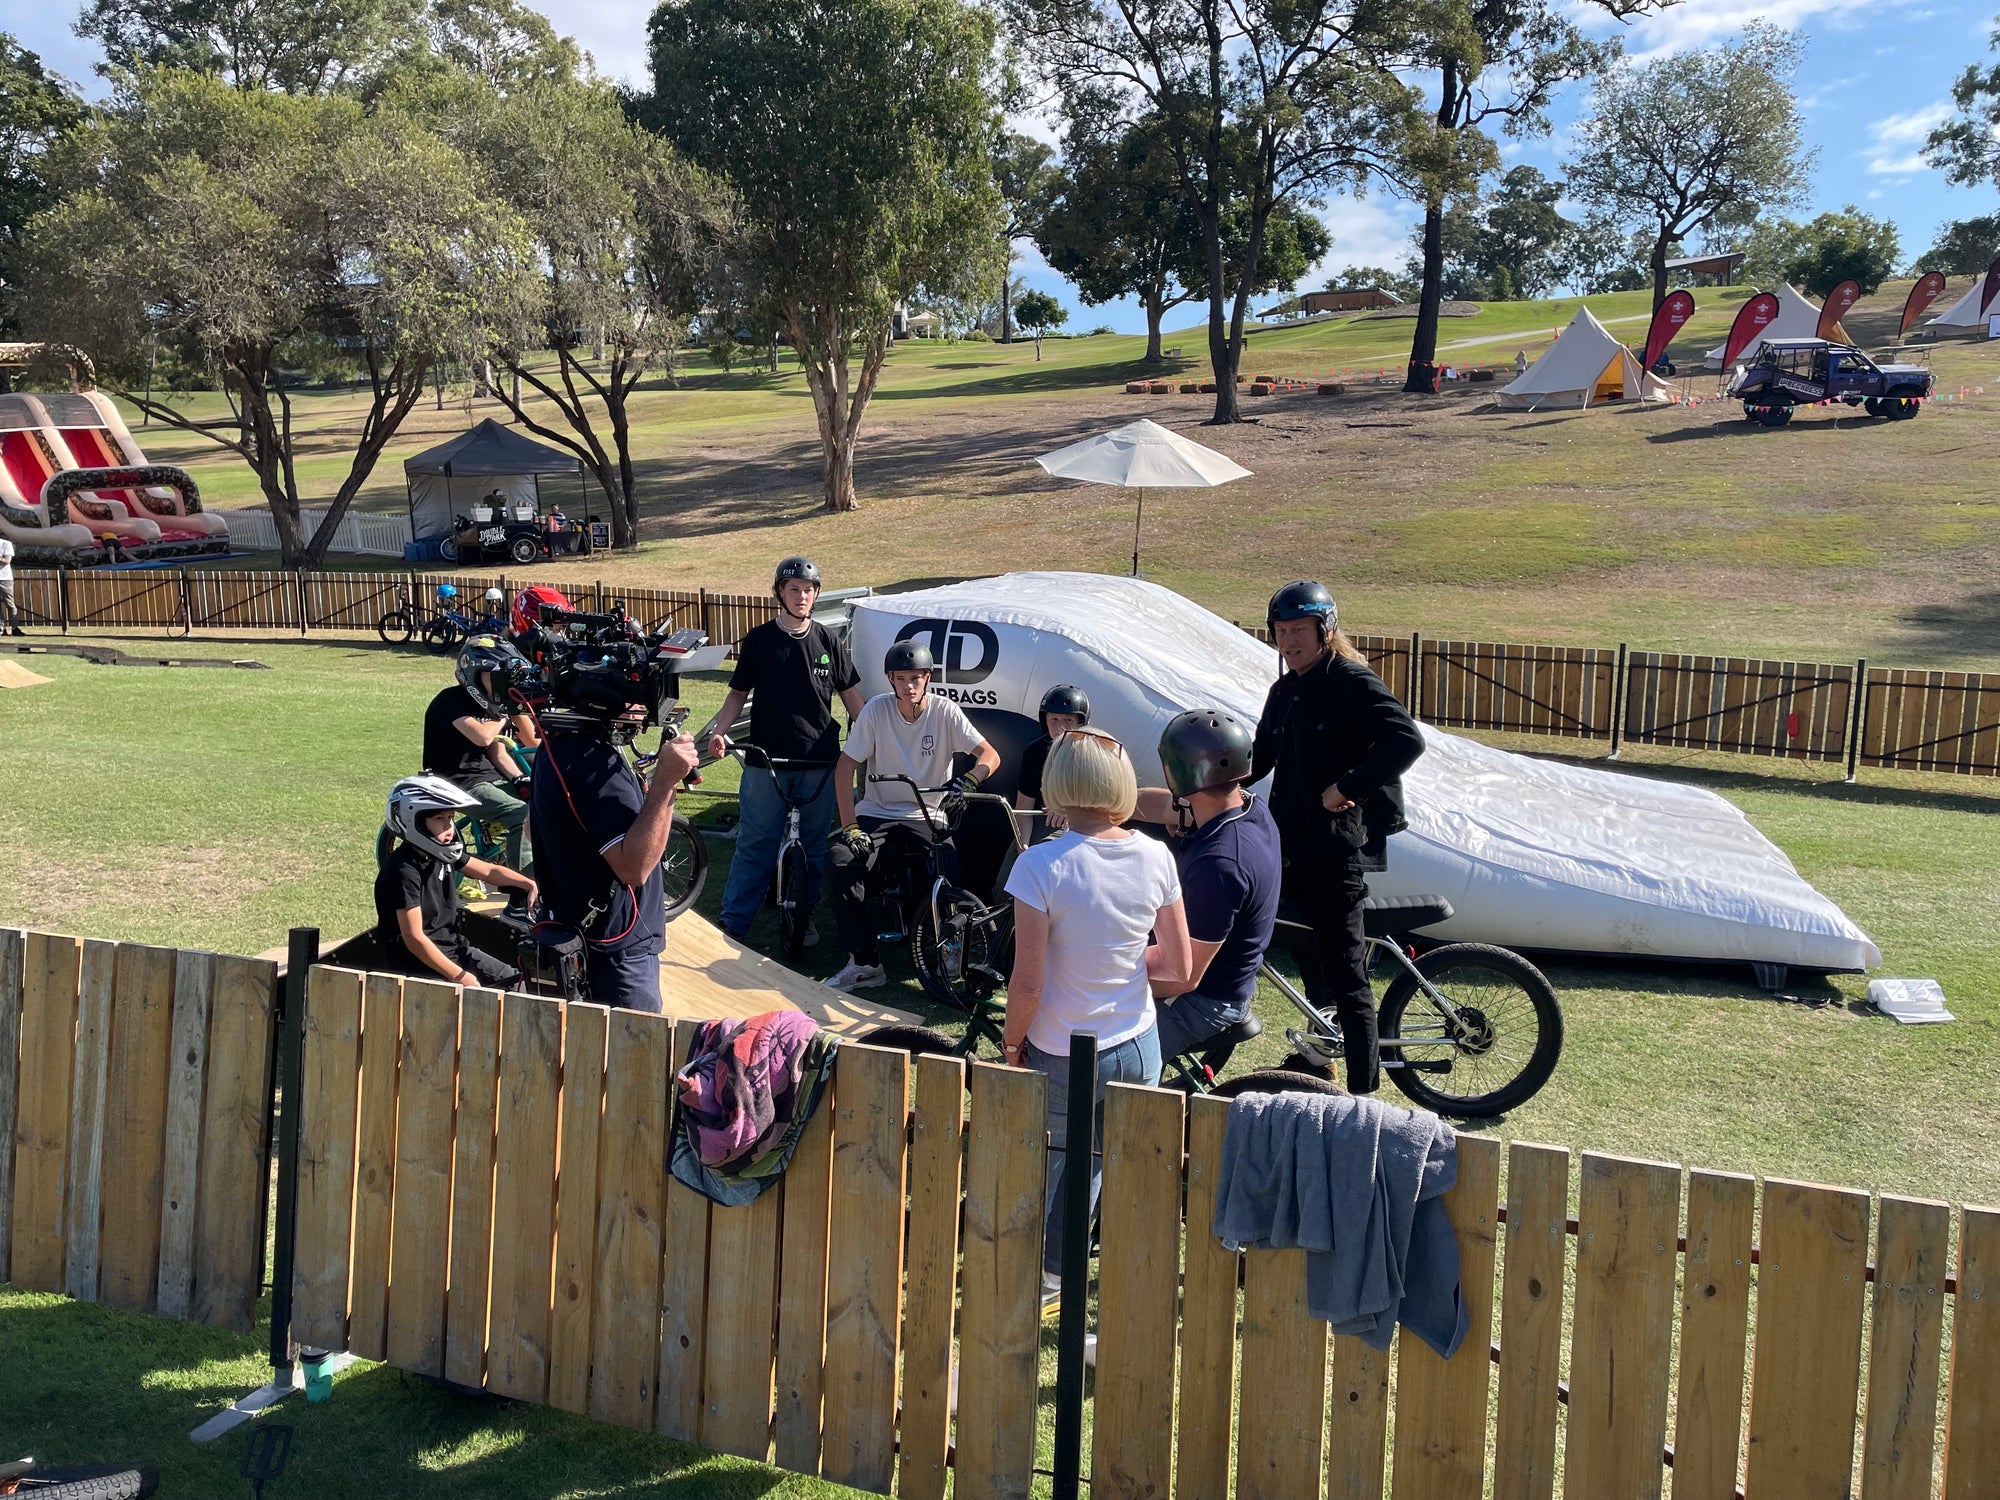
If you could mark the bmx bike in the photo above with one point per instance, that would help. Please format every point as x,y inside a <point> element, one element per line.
<point>791,872</point>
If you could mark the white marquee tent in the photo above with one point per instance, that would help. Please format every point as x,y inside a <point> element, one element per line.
<point>1798,318</point>
<point>1966,311</point>
<point>1584,366</point>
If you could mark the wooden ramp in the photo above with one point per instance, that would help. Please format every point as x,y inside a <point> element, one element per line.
<point>706,974</point>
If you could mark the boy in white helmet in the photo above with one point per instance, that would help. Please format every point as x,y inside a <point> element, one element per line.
<point>417,908</point>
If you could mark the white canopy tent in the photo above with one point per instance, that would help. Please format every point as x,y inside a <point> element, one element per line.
<point>1798,318</point>
<point>1585,365</point>
<point>1531,853</point>
<point>1966,313</point>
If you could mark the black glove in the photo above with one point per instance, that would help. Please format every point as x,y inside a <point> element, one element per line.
<point>953,802</point>
<point>519,786</point>
<point>855,839</point>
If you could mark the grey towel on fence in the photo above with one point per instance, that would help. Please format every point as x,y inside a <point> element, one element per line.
<point>1359,1186</point>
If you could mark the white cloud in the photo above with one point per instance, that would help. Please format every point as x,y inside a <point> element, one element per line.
<point>1700,23</point>
<point>1366,232</point>
<point>1898,144</point>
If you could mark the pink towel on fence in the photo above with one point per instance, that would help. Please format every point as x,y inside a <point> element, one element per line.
<point>741,1082</point>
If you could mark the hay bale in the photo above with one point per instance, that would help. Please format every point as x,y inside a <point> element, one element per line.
<point>1477,375</point>
<point>1260,388</point>
<point>1163,388</point>
<point>1190,387</point>
<point>1208,387</point>
<point>1135,387</point>
<point>1332,388</point>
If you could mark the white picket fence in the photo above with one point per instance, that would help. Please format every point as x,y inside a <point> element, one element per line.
<point>374,536</point>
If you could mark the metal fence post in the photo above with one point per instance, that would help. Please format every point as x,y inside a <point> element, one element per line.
<point>62,598</point>
<point>1416,674</point>
<point>1618,705</point>
<point>301,954</point>
<point>1858,721</point>
<point>300,580</point>
<point>1079,1155</point>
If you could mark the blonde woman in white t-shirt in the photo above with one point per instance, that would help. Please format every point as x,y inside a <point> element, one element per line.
<point>1098,925</point>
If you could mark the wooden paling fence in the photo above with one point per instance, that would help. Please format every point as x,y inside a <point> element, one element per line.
<point>482,1197</point>
<point>135,1105</point>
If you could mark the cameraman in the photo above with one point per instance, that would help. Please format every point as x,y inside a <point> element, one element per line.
<point>462,739</point>
<point>600,835</point>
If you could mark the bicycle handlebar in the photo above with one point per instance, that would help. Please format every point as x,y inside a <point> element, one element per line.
<point>774,762</point>
<point>932,820</point>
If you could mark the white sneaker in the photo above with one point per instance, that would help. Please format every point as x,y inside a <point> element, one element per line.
<point>811,939</point>
<point>858,977</point>
<point>1051,1293</point>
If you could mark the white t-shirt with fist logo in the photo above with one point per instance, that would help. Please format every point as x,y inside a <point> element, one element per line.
<point>892,746</point>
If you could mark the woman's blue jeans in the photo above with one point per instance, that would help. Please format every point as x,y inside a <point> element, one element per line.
<point>1136,1060</point>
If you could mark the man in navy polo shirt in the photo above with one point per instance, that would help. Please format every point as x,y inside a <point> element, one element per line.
<point>1230,871</point>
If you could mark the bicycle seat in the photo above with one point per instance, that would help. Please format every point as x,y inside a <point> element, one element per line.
<point>1247,1029</point>
<point>1391,916</point>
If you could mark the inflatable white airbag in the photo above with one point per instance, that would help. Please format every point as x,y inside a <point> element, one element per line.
<point>1531,853</point>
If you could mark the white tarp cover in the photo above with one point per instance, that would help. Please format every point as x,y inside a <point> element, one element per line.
<point>1582,359</point>
<point>1531,853</point>
<point>1798,318</point>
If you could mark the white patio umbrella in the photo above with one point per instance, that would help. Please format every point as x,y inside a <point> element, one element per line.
<point>1140,456</point>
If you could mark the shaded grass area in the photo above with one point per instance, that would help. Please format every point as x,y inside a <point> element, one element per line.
<point>85,1384</point>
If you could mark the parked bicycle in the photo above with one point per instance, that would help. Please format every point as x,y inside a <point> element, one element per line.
<point>1468,1030</point>
<point>790,876</point>
<point>441,627</point>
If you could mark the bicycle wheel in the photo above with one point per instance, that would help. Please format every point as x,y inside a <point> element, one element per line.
<point>1501,1050</point>
<point>684,867</point>
<point>793,913</point>
<point>441,635</point>
<point>395,628</point>
<point>965,963</point>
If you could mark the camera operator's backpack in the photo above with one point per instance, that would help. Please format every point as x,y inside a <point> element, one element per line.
<point>550,957</point>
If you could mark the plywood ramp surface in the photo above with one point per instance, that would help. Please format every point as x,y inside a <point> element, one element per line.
<point>706,975</point>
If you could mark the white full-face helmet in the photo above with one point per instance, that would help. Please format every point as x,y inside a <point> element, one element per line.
<point>415,798</point>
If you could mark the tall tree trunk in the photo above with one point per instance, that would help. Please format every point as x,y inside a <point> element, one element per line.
<point>1423,344</point>
<point>1659,269</point>
<point>1007,305</point>
<point>1154,313</point>
<point>838,409</point>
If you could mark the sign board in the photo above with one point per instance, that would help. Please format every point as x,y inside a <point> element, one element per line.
<point>600,536</point>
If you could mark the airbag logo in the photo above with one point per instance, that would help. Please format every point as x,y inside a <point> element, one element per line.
<point>951,642</point>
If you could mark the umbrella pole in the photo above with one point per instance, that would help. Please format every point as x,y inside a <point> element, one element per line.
<point>1138,518</point>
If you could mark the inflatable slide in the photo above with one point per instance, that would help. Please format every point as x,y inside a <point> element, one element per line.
<point>1531,853</point>
<point>50,445</point>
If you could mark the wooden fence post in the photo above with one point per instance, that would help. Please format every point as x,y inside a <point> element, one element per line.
<point>1618,704</point>
<point>1858,723</point>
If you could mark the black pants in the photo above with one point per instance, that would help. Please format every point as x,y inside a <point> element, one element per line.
<point>1334,964</point>
<point>394,957</point>
<point>854,879</point>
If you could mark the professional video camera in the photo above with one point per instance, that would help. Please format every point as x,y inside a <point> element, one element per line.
<point>606,674</point>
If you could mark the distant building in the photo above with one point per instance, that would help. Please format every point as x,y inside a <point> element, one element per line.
<point>1314,303</point>
<point>1722,267</point>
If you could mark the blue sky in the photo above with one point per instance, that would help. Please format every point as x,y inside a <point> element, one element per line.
<point>1877,76</point>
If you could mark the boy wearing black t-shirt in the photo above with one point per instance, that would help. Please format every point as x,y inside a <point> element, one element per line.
<point>788,670</point>
<point>417,907</point>
<point>1063,708</point>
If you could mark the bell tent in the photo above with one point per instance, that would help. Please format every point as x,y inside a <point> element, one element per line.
<point>1584,366</point>
<point>451,479</point>
<point>1968,312</point>
<point>1798,318</point>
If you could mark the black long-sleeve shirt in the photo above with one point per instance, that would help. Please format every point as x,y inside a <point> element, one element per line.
<point>1335,724</point>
